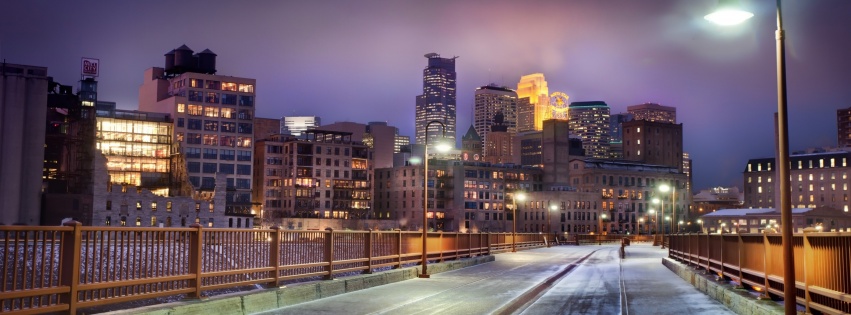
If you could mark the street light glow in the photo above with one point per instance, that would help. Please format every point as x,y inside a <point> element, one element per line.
<point>443,146</point>
<point>664,188</point>
<point>728,16</point>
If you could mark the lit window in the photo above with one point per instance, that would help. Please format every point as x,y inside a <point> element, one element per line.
<point>181,107</point>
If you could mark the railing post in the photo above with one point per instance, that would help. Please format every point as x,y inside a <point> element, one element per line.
<point>368,249</point>
<point>440,246</point>
<point>398,249</point>
<point>488,238</point>
<point>808,267</point>
<point>766,251</point>
<point>329,253</point>
<point>195,261</point>
<point>70,264</point>
<point>708,252</point>
<point>721,273</point>
<point>741,245</point>
<point>274,256</point>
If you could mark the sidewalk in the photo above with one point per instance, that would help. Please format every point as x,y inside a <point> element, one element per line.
<point>599,285</point>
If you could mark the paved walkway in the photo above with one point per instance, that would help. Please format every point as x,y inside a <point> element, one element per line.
<point>557,280</point>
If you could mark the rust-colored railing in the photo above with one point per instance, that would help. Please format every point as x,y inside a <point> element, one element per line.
<point>822,264</point>
<point>582,239</point>
<point>71,267</point>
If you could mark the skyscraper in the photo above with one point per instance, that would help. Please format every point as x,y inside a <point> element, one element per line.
<point>616,134</point>
<point>653,112</point>
<point>438,99</point>
<point>490,100</point>
<point>843,127</point>
<point>534,94</point>
<point>590,121</point>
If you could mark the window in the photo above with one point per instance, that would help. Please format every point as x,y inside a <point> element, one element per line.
<point>244,128</point>
<point>213,85</point>
<point>228,86</point>
<point>196,96</point>
<point>196,83</point>
<point>153,206</point>
<point>246,100</point>
<point>226,168</point>
<point>181,107</point>
<point>247,88</point>
<point>211,140</point>
<point>180,137</point>
<point>243,169</point>
<point>109,220</point>
<point>153,220</point>
<point>244,114</point>
<point>243,155</point>
<point>180,122</point>
<point>168,207</point>
<point>208,182</point>
<point>227,141</point>
<point>228,155</point>
<point>211,125</point>
<point>212,97</point>
<point>193,153</point>
<point>243,183</point>
<point>109,205</point>
<point>195,110</point>
<point>229,113</point>
<point>193,124</point>
<point>209,168</point>
<point>193,167</point>
<point>243,142</point>
<point>228,99</point>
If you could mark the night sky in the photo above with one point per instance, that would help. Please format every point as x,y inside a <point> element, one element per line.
<point>362,60</point>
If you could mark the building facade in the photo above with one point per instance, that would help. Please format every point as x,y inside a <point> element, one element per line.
<point>627,190</point>
<point>23,108</point>
<point>265,127</point>
<point>463,196</point>
<point>653,143</point>
<point>214,121</point>
<point>823,219</point>
<point>471,145</point>
<point>490,100</point>
<point>716,198</point>
<point>653,112</point>
<point>438,101</point>
<point>616,134</point>
<point>818,180</point>
<point>559,211</point>
<point>590,121</point>
<point>323,175</point>
<point>499,147</point>
<point>378,136</point>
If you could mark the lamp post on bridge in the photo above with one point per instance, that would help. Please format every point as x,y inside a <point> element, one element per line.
<point>441,146</point>
<point>514,197</point>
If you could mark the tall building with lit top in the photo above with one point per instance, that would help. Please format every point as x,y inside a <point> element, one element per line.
<point>490,100</point>
<point>653,112</point>
<point>533,95</point>
<point>213,122</point>
<point>438,100</point>
<point>590,121</point>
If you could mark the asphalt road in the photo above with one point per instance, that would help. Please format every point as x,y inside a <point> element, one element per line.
<point>558,280</point>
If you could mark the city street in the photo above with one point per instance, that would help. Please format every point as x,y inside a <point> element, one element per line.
<point>558,280</point>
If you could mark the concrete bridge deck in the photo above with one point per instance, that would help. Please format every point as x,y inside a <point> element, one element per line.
<point>557,280</point>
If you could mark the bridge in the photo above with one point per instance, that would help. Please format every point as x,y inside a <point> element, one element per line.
<point>78,269</point>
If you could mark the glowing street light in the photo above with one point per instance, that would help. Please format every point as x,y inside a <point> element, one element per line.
<point>726,14</point>
<point>442,146</point>
<point>640,220</point>
<point>600,228</point>
<point>517,196</point>
<point>699,221</point>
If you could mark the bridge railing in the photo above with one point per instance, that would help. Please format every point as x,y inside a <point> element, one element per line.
<point>822,264</point>
<point>583,239</point>
<point>66,268</point>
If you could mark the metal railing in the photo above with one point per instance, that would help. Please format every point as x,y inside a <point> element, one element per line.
<point>822,264</point>
<point>581,239</point>
<point>71,267</point>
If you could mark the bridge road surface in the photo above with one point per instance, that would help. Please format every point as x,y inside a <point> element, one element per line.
<point>558,280</point>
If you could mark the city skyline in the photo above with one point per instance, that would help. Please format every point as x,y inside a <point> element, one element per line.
<point>363,61</point>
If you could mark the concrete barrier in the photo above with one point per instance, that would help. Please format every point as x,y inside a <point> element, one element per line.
<point>256,301</point>
<point>736,299</point>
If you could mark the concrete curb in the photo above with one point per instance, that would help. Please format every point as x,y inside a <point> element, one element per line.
<point>737,300</point>
<point>269,299</point>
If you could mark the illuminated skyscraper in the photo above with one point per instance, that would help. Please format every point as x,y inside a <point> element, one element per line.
<point>438,99</point>
<point>653,112</point>
<point>490,100</point>
<point>533,95</point>
<point>590,121</point>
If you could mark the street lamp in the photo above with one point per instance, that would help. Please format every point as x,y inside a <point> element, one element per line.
<point>661,204</point>
<point>517,196</point>
<point>655,225</point>
<point>727,15</point>
<point>665,188</point>
<point>441,146</point>
<point>699,221</point>
<point>600,228</point>
<point>549,223</point>
<point>640,220</point>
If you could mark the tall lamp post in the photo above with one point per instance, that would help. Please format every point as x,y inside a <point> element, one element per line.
<point>665,188</point>
<point>441,146</point>
<point>600,228</point>
<point>549,223</point>
<point>655,225</point>
<point>657,201</point>
<point>516,196</point>
<point>699,221</point>
<point>640,220</point>
<point>731,16</point>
